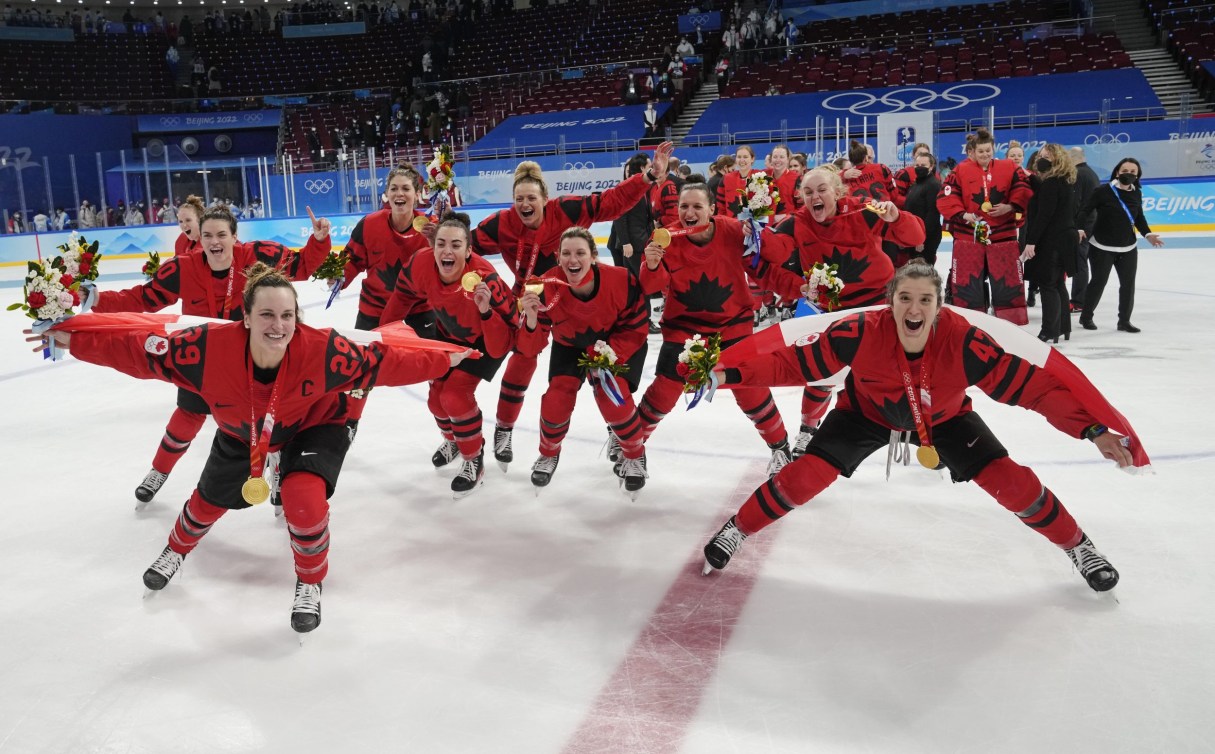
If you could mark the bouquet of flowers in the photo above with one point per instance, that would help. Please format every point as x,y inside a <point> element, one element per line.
<point>983,233</point>
<point>600,360</point>
<point>333,270</point>
<point>439,179</point>
<point>696,364</point>
<point>760,198</point>
<point>825,285</point>
<point>152,265</point>
<point>52,289</point>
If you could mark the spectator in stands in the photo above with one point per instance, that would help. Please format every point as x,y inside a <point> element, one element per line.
<point>187,31</point>
<point>723,71</point>
<point>86,217</point>
<point>1050,238</point>
<point>685,48</point>
<point>132,215</point>
<point>172,58</point>
<point>731,42</point>
<point>920,199</point>
<point>651,120</point>
<point>1119,208</point>
<point>665,90</point>
<point>628,90</point>
<point>792,34</point>
<point>1086,183</point>
<point>168,213</point>
<point>676,70</point>
<point>16,224</point>
<point>214,86</point>
<point>773,91</point>
<point>41,222</point>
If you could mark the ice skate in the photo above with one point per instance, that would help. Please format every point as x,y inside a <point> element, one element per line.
<point>802,441</point>
<point>633,474</point>
<point>502,452</point>
<point>306,611</point>
<point>148,488</point>
<point>542,470</point>
<point>722,546</point>
<point>1093,566</point>
<point>613,447</point>
<point>162,570</point>
<point>780,459</point>
<point>446,453</point>
<point>471,476</point>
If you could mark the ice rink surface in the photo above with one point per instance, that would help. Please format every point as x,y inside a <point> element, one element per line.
<point>885,617</point>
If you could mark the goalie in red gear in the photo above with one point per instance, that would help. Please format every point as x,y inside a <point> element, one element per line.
<point>208,284</point>
<point>910,365</point>
<point>995,192</point>
<point>479,315</point>
<point>601,304</point>
<point>527,236</point>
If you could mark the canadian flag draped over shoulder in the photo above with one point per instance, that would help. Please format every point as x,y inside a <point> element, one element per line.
<point>1011,338</point>
<point>397,335</point>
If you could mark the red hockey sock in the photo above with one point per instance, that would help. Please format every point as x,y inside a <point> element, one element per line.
<point>307,513</point>
<point>515,379</point>
<point>795,485</point>
<point>458,401</point>
<point>622,419</point>
<point>192,524</point>
<point>815,402</point>
<point>660,397</point>
<point>556,407</point>
<point>759,407</point>
<point>183,428</point>
<point>1017,488</point>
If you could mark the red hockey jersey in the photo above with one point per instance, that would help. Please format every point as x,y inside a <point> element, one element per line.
<point>968,186</point>
<point>615,312</point>
<point>875,182</point>
<point>378,249</point>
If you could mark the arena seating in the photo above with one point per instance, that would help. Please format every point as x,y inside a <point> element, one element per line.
<point>95,68</point>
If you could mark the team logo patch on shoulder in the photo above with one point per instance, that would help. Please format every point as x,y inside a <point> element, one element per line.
<point>806,340</point>
<point>156,344</point>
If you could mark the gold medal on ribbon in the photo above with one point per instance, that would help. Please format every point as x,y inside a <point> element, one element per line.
<point>470,281</point>
<point>928,456</point>
<point>873,207</point>
<point>420,223</point>
<point>662,238</point>
<point>536,288</point>
<point>255,490</point>
<point>985,206</point>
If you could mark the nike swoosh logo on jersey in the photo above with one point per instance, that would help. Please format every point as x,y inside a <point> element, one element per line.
<point>196,302</point>
<point>307,453</point>
<point>971,444</point>
<point>224,405</point>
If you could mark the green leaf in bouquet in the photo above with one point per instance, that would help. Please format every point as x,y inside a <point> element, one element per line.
<point>15,306</point>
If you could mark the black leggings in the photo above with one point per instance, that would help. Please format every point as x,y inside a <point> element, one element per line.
<point>1100,263</point>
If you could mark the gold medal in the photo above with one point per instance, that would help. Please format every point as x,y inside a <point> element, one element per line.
<point>928,456</point>
<point>420,223</point>
<point>873,207</point>
<point>536,288</point>
<point>470,281</point>
<point>255,490</point>
<point>985,206</point>
<point>662,238</point>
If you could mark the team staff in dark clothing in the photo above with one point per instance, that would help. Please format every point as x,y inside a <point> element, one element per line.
<point>1050,238</point>
<point>1119,208</point>
<point>1086,183</point>
<point>921,200</point>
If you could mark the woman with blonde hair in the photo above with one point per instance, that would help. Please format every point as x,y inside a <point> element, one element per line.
<point>1051,238</point>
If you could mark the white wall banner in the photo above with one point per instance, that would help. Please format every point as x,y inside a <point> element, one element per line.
<point>898,133</point>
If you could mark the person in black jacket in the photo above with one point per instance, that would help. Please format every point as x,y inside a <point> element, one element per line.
<point>1050,238</point>
<point>1119,208</point>
<point>1086,183</point>
<point>921,201</point>
<point>631,231</point>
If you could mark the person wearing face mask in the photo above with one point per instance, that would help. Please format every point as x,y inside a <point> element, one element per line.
<point>834,228</point>
<point>472,307</point>
<point>980,201</point>
<point>910,364</point>
<point>707,280</point>
<point>527,236</point>
<point>1119,208</point>
<point>921,201</point>
<point>905,178</point>
<point>276,387</point>
<point>1050,238</point>
<point>208,284</point>
<point>592,304</point>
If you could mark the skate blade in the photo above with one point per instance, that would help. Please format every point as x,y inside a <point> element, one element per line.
<point>141,506</point>
<point>707,569</point>
<point>1109,596</point>
<point>503,465</point>
<point>461,495</point>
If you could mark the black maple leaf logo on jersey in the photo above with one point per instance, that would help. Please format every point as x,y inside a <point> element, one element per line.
<point>587,338</point>
<point>897,413</point>
<point>388,275</point>
<point>704,295</point>
<point>995,194</point>
<point>851,268</point>
<point>451,326</point>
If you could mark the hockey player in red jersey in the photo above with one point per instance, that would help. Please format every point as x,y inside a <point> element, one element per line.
<point>472,307</point>
<point>527,236</point>
<point>601,304</point>
<point>834,229</point>
<point>273,384</point>
<point>911,364</point>
<point>208,284</point>
<point>189,219</point>
<point>986,194</point>
<point>705,276</point>
<point>729,201</point>
<point>785,179</point>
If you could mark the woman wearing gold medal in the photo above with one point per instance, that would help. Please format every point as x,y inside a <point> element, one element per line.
<point>272,384</point>
<point>911,363</point>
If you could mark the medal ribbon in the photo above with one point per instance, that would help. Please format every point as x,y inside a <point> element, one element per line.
<point>921,425</point>
<point>223,309</point>
<point>259,442</point>
<point>678,232</point>
<point>986,187</point>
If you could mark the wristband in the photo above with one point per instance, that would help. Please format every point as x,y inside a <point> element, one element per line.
<point>1093,431</point>
<point>650,175</point>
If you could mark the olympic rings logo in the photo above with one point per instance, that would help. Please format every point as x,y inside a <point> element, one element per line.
<point>580,169</point>
<point>171,120</point>
<point>1118,138</point>
<point>253,117</point>
<point>318,185</point>
<point>912,98</point>
<point>699,20</point>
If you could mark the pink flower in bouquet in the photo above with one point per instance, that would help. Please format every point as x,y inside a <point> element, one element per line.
<point>37,300</point>
<point>67,280</point>
<point>67,299</point>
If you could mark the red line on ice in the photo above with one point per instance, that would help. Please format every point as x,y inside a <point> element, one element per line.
<point>655,691</point>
